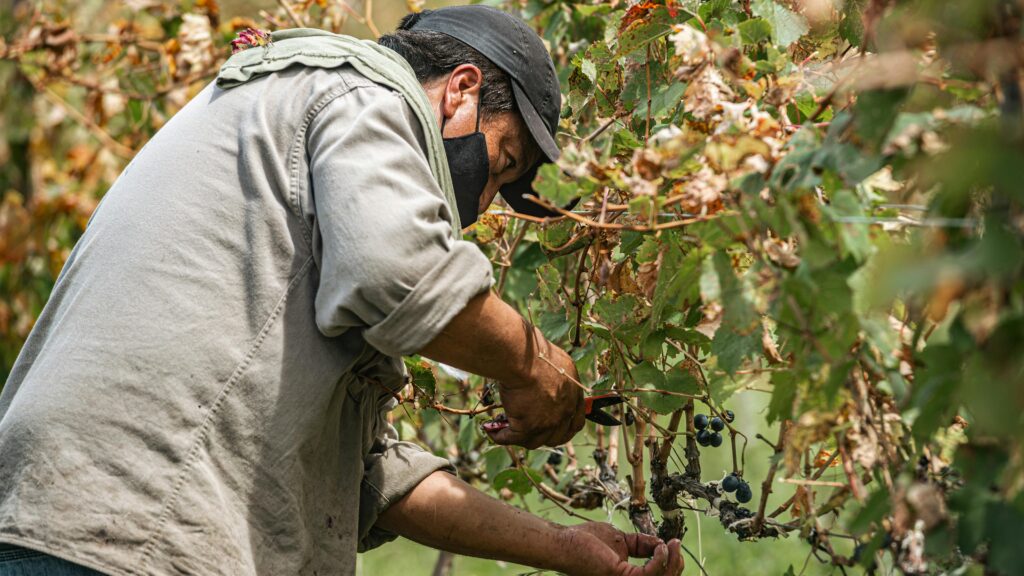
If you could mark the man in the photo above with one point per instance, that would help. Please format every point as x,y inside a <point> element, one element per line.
<point>205,391</point>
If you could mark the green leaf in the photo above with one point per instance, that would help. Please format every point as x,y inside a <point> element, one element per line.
<point>787,26</point>
<point>739,336</point>
<point>554,325</point>
<point>422,375</point>
<point>1004,526</point>
<point>615,312</point>
<point>874,509</point>
<point>536,459</point>
<point>851,28</point>
<point>647,375</point>
<point>723,232</point>
<point>556,234</point>
<point>517,480</point>
<point>732,348</point>
<point>755,30</point>
<point>550,184</point>
<point>675,381</point>
<point>522,278</point>
<point>589,69</point>
<point>653,346</point>
<point>664,100</point>
<point>855,239</point>
<point>642,32</point>
<point>935,389</point>
<point>591,10</point>
<point>496,459</point>
<point>783,395</point>
<point>468,434</point>
<point>678,284</point>
<point>876,112</point>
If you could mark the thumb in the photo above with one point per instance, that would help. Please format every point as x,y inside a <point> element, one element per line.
<point>504,436</point>
<point>658,562</point>
<point>503,433</point>
<point>641,545</point>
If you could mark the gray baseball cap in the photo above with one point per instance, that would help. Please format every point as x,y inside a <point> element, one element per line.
<point>517,50</point>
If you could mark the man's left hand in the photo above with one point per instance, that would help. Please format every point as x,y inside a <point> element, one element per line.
<point>596,548</point>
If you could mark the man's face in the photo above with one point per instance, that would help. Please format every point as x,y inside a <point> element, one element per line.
<point>510,148</point>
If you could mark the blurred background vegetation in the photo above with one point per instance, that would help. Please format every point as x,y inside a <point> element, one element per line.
<point>62,147</point>
<point>879,219</point>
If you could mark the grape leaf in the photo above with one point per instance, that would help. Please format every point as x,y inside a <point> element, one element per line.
<point>787,26</point>
<point>517,480</point>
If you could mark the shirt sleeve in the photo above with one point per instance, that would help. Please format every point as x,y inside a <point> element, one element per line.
<point>388,262</point>
<point>391,470</point>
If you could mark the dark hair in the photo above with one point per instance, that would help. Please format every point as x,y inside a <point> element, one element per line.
<point>433,55</point>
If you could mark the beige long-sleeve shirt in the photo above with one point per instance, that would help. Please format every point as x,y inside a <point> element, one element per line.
<point>203,393</point>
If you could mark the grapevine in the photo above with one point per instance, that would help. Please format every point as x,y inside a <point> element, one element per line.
<point>812,207</point>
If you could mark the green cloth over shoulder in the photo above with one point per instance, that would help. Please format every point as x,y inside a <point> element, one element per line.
<point>322,49</point>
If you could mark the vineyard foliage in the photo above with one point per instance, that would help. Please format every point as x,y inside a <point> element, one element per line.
<point>819,200</point>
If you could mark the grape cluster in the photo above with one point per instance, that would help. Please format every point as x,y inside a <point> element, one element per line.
<point>555,458</point>
<point>733,483</point>
<point>709,430</point>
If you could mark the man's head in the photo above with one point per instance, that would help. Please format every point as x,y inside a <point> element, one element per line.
<point>484,69</point>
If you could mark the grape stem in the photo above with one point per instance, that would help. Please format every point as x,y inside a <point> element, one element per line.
<point>766,486</point>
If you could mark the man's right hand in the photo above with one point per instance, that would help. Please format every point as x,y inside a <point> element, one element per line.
<point>543,404</point>
<point>547,407</point>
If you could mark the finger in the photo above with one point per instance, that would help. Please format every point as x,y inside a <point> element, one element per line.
<point>573,425</point>
<point>676,562</point>
<point>509,436</point>
<point>494,425</point>
<point>641,545</point>
<point>658,563</point>
<point>579,418</point>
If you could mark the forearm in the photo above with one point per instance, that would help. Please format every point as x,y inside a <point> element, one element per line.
<point>446,513</point>
<point>538,380</point>
<point>488,337</point>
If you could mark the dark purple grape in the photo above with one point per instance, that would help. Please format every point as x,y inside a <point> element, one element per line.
<point>700,421</point>
<point>703,437</point>
<point>716,439</point>
<point>729,416</point>
<point>717,425</point>
<point>730,483</point>
<point>743,493</point>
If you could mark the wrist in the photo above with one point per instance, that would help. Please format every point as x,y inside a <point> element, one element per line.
<point>558,556</point>
<point>535,363</point>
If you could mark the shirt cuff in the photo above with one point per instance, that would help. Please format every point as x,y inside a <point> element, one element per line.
<point>392,469</point>
<point>437,298</point>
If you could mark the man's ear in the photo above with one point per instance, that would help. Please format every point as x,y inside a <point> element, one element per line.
<point>463,87</point>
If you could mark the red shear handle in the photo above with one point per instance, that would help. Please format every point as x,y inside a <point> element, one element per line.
<point>589,401</point>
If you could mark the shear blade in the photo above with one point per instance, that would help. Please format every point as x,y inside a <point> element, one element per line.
<point>603,418</point>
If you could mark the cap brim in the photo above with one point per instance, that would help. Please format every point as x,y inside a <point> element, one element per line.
<point>545,141</point>
<point>514,193</point>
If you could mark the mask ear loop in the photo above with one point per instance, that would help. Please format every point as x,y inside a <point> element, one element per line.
<point>444,119</point>
<point>478,103</point>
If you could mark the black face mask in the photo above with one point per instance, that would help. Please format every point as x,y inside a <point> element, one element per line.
<point>470,167</point>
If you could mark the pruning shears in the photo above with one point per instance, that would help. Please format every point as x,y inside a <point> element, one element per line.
<point>594,406</point>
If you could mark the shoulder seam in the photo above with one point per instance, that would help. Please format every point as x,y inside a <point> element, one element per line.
<point>297,148</point>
